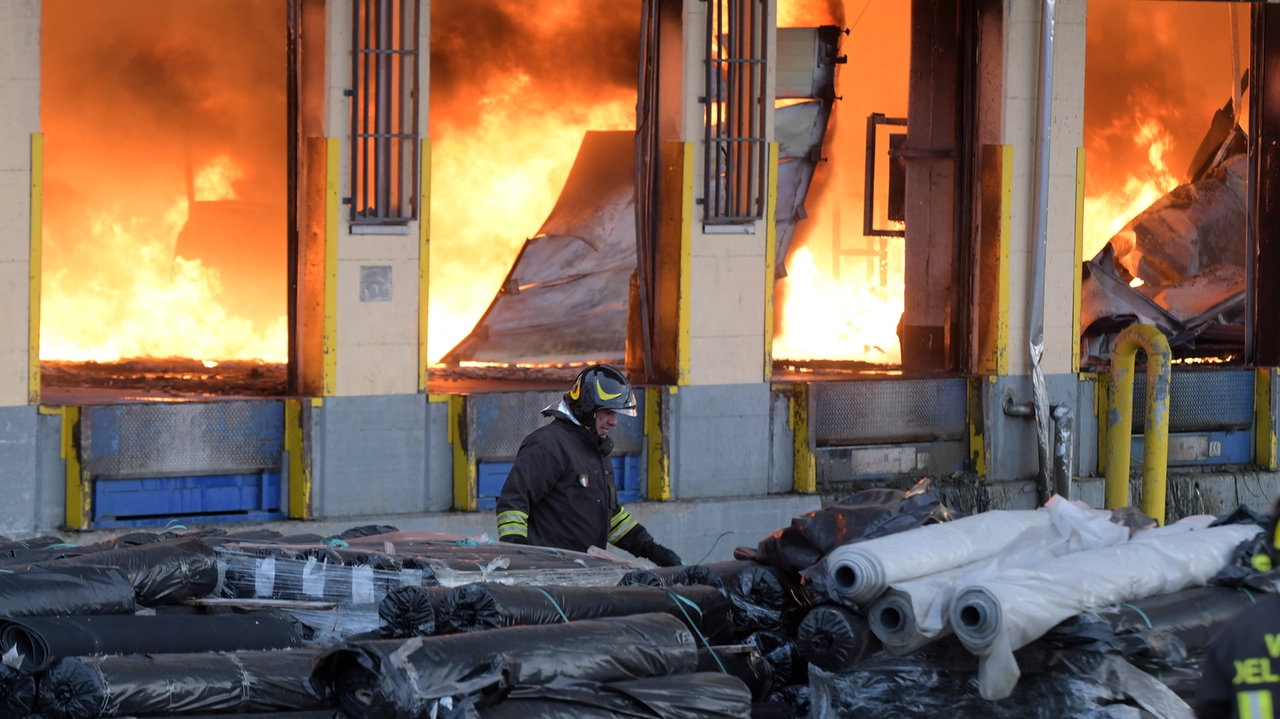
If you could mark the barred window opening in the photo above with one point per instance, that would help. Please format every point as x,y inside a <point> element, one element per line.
<point>736,53</point>
<point>384,111</point>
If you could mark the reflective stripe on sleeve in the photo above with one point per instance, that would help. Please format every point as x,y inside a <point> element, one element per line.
<point>621,523</point>
<point>1254,705</point>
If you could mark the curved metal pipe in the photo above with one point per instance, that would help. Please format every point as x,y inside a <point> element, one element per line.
<point>1040,395</point>
<point>1155,433</point>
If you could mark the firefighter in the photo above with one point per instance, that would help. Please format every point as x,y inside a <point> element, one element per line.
<point>1242,670</point>
<point>560,491</point>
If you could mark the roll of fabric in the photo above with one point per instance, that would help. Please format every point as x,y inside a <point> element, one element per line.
<point>488,606</point>
<point>862,572</point>
<point>161,573</point>
<point>178,685</point>
<point>17,692</point>
<point>913,613</point>
<point>41,640</point>
<point>310,576</point>
<point>750,667</point>
<point>767,599</point>
<point>412,612</point>
<point>835,639</point>
<point>66,590</point>
<point>689,696</point>
<point>313,714</point>
<point>995,617</point>
<point>397,678</point>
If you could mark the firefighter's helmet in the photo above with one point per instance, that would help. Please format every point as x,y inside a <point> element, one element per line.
<point>600,387</point>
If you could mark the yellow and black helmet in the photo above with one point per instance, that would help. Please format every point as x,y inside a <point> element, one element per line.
<point>598,387</point>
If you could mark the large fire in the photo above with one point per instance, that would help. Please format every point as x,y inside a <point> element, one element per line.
<point>1155,72</point>
<point>843,293</point>
<point>147,105</point>
<point>512,94</point>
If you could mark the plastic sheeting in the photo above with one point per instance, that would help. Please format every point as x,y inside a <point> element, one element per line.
<point>1076,686</point>
<point>69,590</point>
<point>763,597</point>
<point>688,696</point>
<point>750,667</point>
<point>868,514</point>
<point>40,640</point>
<point>279,573</point>
<point>913,613</point>
<point>17,692</point>
<point>863,571</point>
<point>178,684</point>
<point>412,612</point>
<point>995,617</point>
<point>488,606</point>
<point>835,639</point>
<point>161,573</point>
<point>413,677</point>
<point>783,655</point>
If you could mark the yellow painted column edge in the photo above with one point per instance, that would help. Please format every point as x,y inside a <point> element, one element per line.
<point>424,263</point>
<point>686,254</point>
<point>332,203</point>
<point>1264,427</point>
<point>34,279</point>
<point>770,258</point>
<point>659,466</point>
<point>464,461</point>
<point>299,468</point>
<point>805,479</point>
<point>1101,405</point>
<point>78,510</point>
<point>1006,239</point>
<point>1079,259</point>
<point>977,428</point>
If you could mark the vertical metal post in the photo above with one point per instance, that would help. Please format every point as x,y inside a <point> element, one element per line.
<point>1119,422</point>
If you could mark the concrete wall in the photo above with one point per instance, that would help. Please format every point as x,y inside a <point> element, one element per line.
<point>19,119</point>
<point>1020,129</point>
<point>727,272</point>
<point>369,456</point>
<point>377,341</point>
<point>719,441</point>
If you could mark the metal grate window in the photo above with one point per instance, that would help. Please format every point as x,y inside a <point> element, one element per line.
<point>737,48</point>
<point>384,111</point>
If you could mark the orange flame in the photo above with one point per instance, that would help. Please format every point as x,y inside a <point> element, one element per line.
<point>214,182</point>
<point>1107,212</point>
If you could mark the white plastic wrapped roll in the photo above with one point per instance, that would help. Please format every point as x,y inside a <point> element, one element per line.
<point>913,613</point>
<point>996,616</point>
<point>861,572</point>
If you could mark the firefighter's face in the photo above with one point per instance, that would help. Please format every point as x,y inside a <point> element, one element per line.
<point>606,419</point>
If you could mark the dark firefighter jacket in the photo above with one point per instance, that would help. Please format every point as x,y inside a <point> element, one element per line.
<point>560,492</point>
<point>1242,671</point>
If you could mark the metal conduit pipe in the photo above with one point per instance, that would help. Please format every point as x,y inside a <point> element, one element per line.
<point>1155,432</point>
<point>1063,449</point>
<point>1040,395</point>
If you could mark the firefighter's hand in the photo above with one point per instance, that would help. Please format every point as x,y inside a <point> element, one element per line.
<point>514,539</point>
<point>662,556</point>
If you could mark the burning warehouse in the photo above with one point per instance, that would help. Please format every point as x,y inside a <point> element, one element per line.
<point>301,261</point>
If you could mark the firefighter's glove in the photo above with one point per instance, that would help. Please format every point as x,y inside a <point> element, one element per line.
<point>514,539</point>
<point>660,555</point>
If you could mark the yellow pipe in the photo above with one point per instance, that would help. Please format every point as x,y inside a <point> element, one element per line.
<point>1155,433</point>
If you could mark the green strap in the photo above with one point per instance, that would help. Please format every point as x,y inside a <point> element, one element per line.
<point>554,603</point>
<point>680,602</point>
<point>1141,613</point>
<point>1249,594</point>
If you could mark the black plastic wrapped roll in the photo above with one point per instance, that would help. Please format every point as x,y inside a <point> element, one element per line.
<point>399,678</point>
<point>1194,615</point>
<point>412,612</point>
<point>750,667</point>
<point>487,606</point>
<point>69,590</point>
<point>691,696</point>
<point>41,640</point>
<point>766,598</point>
<point>313,714</point>
<point>783,655</point>
<point>161,573</point>
<point>315,574</point>
<point>17,692</point>
<point>178,685</point>
<point>656,577</point>
<point>835,639</point>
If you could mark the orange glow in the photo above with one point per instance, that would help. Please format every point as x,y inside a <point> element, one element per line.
<point>843,294</point>
<point>507,121</point>
<point>145,103</point>
<point>1155,72</point>
<point>1107,213</point>
<point>215,181</point>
